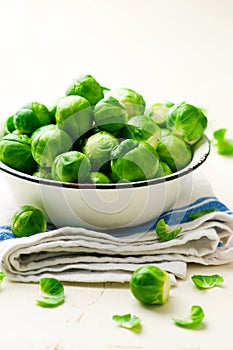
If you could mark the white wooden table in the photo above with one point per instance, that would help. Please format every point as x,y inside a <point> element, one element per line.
<point>176,50</point>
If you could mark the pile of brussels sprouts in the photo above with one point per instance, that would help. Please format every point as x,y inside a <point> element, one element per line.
<point>97,135</point>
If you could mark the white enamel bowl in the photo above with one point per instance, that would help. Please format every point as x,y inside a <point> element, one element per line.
<point>104,206</point>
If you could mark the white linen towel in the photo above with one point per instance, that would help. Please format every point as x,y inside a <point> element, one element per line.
<point>80,255</point>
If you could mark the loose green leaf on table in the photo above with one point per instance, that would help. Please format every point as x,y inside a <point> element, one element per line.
<point>224,146</point>
<point>165,232</point>
<point>127,321</point>
<point>52,292</point>
<point>194,319</point>
<point>207,281</point>
<point>2,276</point>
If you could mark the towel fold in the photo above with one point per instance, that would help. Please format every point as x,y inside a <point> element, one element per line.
<point>76,254</point>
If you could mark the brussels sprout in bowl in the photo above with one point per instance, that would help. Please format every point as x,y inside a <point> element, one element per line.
<point>102,206</point>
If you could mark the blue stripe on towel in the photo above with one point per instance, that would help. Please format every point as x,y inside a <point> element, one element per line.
<point>193,204</point>
<point>182,215</point>
<point>177,216</point>
<point>6,233</point>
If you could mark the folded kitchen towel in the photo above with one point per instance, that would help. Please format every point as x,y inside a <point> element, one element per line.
<point>76,254</point>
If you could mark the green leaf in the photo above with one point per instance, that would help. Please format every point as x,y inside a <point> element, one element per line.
<point>207,281</point>
<point>127,321</point>
<point>165,232</point>
<point>194,319</point>
<point>220,134</point>
<point>198,214</point>
<point>224,146</point>
<point>105,88</point>
<point>2,276</point>
<point>52,292</point>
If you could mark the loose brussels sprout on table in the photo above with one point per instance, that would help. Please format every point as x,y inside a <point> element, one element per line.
<point>150,285</point>
<point>88,136</point>
<point>27,221</point>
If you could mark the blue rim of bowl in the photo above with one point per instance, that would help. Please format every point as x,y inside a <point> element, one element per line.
<point>188,169</point>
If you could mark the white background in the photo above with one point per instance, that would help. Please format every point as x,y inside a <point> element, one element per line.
<point>177,50</point>
<point>172,49</point>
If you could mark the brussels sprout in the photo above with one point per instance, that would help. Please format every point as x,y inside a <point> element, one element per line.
<point>98,149</point>
<point>53,109</point>
<point>165,132</point>
<point>9,125</point>
<point>159,112</point>
<point>44,173</point>
<point>150,285</point>
<point>15,151</point>
<point>71,166</point>
<point>74,115</point>
<point>110,114</point>
<point>31,117</point>
<point>99,178</point>
<point>174,152</point>
<point>187,121</point>
<point>27,221</point>
<point>48,142</point>
<point>134,103</point>
<point>123,148</point>
<point>163,170</point>
<point>86,86</point>
<point>134,161</point>
<point>142,128</point>
<point>79,144</point>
